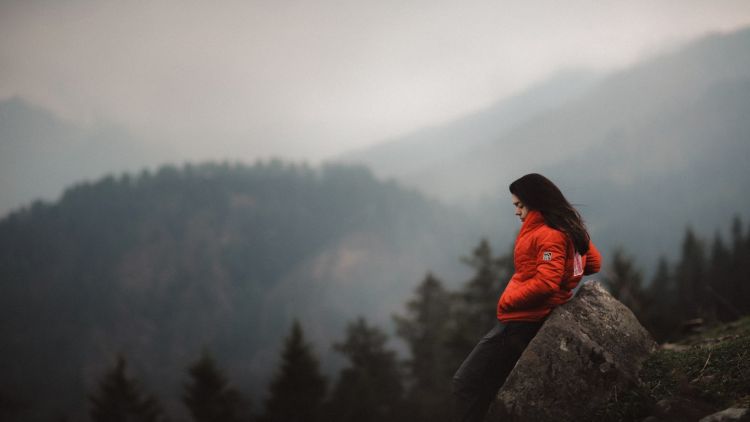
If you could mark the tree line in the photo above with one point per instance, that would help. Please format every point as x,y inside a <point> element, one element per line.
<point>708,283</point>
<point>210,245</point>
<point>440,327</point>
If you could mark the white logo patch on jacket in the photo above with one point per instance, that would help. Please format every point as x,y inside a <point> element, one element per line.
<point>547,256</point>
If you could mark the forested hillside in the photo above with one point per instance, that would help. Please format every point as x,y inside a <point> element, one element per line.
<point>440,325</point>
<point>160,265</point>
<point>185,281</point>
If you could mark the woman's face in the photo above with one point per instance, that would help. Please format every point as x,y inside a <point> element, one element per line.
<point>521,210</point>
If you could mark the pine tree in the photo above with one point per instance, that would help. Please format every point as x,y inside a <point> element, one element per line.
<point>370,388</point>
<point>298,388</point>
<point>740,263</point>
<point>659,317</point>
<point>481,292</point>
<point>690,277</point>
<point>119,399</point>
<point>208,395</point>
<point>475,305</point>
<point>426,330</point>
<point>625,282</point>
<point>737,237</point>
<point>719,282</point>
<point>742,274</point>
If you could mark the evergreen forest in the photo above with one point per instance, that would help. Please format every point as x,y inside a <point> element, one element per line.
<point>188,294</point>
<point>440,326</point>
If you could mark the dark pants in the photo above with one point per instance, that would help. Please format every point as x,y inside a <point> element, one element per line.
<point>484,371</point>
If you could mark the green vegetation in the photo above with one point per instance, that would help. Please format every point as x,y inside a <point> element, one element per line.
<point>370,387</point>
<point>120,399</point>
<point>706,284</point>
<point>693,374</point>
<point>704,373</point>
<point>208,395</point>
<point>297,390</point>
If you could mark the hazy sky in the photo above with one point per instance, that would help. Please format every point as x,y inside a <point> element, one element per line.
<point>310,79</point>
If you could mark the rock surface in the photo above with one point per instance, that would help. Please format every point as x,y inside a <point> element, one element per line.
<point>732,414</point>
<point>586,353</point>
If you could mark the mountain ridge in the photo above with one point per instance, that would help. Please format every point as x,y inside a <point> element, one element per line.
<point>403,157</point>
<point>42,154</point>
<point>669,127</point>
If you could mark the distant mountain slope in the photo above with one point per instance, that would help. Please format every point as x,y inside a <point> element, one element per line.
<point>651,150</point>
<point>645,189</point>
<point>40,154</point>
<point>159,266</point>
<point>411,157</point>
<point>649,110</point>
<point>647,151</point>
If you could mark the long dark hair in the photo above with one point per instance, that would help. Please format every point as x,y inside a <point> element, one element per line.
<point>536,192</point>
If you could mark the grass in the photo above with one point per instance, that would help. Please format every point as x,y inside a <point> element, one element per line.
<point>705,372</point>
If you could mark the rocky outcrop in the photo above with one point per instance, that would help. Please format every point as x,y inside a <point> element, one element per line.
<point>733,414</point>
<point>587,353</point>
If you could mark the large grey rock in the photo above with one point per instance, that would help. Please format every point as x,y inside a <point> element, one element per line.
<point>587,353</point>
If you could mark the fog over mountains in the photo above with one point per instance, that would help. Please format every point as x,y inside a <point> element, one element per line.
<point>417,158</point>
<point>647,150</point>
<point>136,262</point>
<point>41,154</point>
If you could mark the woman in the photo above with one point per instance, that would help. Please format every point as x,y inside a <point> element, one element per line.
<point>552,252</point>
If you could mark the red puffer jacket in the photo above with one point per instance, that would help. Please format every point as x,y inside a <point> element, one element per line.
<point>547,269</point>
